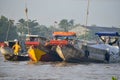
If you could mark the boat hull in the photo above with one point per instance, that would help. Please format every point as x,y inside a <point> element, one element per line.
<point>99,52</point>
<point>70,53</point>
<point>12,57</point>
<point>40,55</point>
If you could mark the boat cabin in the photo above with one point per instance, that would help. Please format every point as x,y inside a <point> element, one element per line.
<point>64,35</point>
<point>32,40</point>
<point>62,38</point>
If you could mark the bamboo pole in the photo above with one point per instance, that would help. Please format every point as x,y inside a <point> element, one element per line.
<point>26,12</point>
<point>86,21</point>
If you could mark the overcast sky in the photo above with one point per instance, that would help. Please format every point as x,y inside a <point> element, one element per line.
<point>104,13</point>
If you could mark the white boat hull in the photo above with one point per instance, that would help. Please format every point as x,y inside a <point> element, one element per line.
<point>98,52</point>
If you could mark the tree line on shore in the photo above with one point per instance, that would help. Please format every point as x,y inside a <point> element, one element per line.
<point>9,30</point>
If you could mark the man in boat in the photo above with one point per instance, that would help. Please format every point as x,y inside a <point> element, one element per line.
<point>47,45</point>
<point>107,55</point>
<point>86,52</point>
<point>16,47</point>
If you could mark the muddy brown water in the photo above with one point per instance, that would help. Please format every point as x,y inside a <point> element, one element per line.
<point>58,71</point>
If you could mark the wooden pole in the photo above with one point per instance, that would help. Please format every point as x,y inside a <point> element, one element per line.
<point>86,21</point>
<point>26,12</point>
<point>87,13</point>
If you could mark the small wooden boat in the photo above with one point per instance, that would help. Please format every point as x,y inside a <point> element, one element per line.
<point>7,52</point>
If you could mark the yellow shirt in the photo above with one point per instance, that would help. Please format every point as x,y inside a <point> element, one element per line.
<point>16,48</point>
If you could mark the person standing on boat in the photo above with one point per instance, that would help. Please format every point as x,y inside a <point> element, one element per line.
<point>16,47</point>
<point>107,55</point>
<point>86,52</point>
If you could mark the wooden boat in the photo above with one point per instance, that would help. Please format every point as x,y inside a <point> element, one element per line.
<point>71,54</point>
<point>7,52</point>
<point>36,54</point>
<point>65,43</point>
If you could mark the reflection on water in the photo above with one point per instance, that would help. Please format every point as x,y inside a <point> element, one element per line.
<point>58,71</point>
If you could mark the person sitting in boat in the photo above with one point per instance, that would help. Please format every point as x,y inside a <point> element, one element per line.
<point>108,40</point>
<point>16,47</point>
<point>47,45</point>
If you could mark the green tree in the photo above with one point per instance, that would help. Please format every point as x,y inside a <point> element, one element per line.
<point>11,31</point>
<point>34,28</point>
<point>64,24</point>
<point>23,28</point>
<point>7,29</point>
<point>71,23</point>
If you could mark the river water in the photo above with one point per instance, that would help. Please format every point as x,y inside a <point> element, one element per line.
<point>58,71</point>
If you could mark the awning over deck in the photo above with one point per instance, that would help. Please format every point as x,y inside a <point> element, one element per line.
<point>107,34</point>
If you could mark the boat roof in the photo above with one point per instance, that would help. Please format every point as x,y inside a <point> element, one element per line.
<point>64,33</point>
<point>36,36</point>
<point>32,35</point>
<point>107,34</point>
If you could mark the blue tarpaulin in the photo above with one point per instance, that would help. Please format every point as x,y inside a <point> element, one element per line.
<point>107,34</point>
